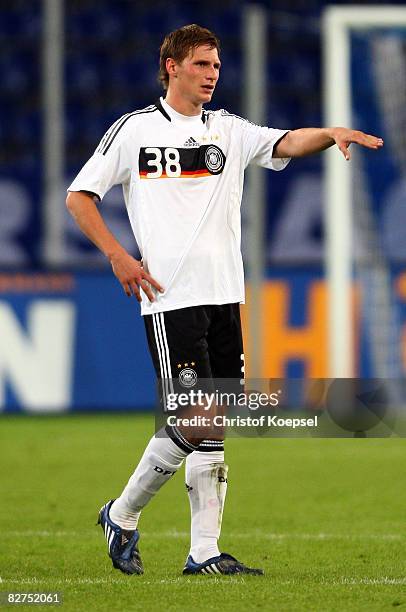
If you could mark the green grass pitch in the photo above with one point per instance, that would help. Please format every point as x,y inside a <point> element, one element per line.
<point>324,518</point>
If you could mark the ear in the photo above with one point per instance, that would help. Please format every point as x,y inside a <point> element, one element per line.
<point>171,67</point>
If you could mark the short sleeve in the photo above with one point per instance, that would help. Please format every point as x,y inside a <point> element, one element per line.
<point>258,144</point>
<point>109,165</point>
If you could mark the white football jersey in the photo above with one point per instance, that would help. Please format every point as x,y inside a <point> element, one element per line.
<point>182,180</point>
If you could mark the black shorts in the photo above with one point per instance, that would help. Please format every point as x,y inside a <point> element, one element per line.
<point>195,348</point>
<point>205,340</point>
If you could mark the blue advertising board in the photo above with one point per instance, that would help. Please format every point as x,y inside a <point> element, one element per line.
<point>75,342</point>
<point>71,341</point>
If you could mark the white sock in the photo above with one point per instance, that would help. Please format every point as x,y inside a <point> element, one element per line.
<point>206,482</point>
<point>161,459</point>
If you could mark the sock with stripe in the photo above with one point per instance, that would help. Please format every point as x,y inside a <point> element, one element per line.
<point>161,459</point>
<point>206,483</point>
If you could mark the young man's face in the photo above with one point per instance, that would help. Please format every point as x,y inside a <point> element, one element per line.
<point>196,76</point>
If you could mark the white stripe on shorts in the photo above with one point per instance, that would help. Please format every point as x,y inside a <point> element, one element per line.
<point>168,361</point>
<point>162,363</point>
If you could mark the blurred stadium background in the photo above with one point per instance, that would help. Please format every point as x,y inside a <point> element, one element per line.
<point>325,518</point>
<point>69,339</point>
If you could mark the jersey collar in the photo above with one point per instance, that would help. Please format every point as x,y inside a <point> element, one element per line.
<point>161,109</point>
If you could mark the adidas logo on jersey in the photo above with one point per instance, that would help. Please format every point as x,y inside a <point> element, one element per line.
<point>191,142</point>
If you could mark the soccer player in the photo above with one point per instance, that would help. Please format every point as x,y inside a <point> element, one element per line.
<point>182,169</point>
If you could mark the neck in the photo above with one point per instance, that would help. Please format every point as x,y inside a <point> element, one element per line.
<point>182,105</point>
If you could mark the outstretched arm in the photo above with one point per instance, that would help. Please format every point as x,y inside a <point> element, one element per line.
<point>307,141</point>
<point>128,270</point>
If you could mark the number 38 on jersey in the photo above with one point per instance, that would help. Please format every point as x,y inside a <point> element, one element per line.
<point>172,163</point>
